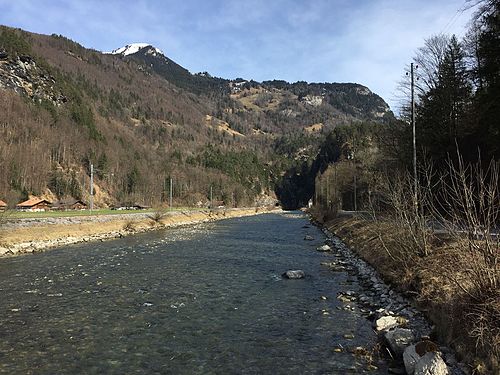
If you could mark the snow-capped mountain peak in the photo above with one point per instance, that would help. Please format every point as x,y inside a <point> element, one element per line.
<point>132,48</point>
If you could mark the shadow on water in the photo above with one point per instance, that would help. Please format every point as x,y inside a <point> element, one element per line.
<point>204,299</point>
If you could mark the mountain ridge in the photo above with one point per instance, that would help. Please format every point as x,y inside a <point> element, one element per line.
<point>180,76</point>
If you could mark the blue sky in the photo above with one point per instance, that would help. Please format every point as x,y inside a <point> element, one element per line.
<point>363,41</point>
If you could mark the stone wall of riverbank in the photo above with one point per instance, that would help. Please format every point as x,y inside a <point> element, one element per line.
<point>34,235</point>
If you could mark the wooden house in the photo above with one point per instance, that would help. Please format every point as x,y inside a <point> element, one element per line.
<point>3,205</point>
<point>69,204</point>
<point>34,204</point>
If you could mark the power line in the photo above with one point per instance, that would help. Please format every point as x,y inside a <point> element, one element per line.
<point>455,17</point>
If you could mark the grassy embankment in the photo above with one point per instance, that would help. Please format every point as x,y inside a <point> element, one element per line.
<point>441,284</point>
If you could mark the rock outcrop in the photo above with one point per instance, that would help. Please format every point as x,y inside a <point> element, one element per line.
<point>23,75</point>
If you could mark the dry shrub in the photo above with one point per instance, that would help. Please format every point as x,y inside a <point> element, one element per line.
<point>3,220</point>
<point>407,216</point>
<point>469,210</point>
<point>129,225</point>
<point>157,216</point>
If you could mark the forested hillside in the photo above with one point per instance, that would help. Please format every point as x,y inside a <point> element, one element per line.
<point>142,119</point>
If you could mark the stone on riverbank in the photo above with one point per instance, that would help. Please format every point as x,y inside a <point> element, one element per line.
<point>398,339</point>
<point>431,364</point>
<point>424,359</point>
<point>388,310</point>
<point>324,248</point>
<point>385,323</point>
<point>294,274</point>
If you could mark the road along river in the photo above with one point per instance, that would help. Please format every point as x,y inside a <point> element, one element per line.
<point>203,299</point>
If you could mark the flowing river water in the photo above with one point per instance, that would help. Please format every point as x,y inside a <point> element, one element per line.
<point>205,299</point>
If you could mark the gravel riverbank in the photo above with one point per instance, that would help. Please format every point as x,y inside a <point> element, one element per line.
<point>23,236</point>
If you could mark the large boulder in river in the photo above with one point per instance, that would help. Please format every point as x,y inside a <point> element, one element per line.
<point>294,274</point>
<point>308,237</point>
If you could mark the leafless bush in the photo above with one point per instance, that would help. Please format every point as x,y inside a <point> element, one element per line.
<point>263,99</point>
<point>129,225</point>
<point>157,216</point>
<point>408,213</point>
<point>469,209</point>
<point>470,212</point>
<point>463,204</point>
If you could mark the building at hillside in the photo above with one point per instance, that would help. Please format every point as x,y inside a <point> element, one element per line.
<point>69,204</point>
<point>34,204</point>
<point>3,205</point>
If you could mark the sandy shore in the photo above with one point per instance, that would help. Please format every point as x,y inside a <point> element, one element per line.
<point>42,234</point>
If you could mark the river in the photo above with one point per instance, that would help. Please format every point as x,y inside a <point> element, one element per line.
<point>204,299</point>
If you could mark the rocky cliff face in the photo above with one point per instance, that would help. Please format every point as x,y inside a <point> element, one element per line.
<point>24,76</point>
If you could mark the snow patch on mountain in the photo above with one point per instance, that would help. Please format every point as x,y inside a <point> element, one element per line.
<point>132,48</point>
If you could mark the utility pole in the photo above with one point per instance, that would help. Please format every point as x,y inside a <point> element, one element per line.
<point>355,191</point>
<point>415,181</point>
<point>353,155</point>
<point>327,190</point>
<point>91,187</point>
<point>170,195</point>
<point>211,198</point>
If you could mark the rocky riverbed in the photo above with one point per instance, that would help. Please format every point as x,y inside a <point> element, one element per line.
<point>404,332</point>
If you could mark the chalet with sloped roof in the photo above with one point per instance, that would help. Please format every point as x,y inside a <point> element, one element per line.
<point>34,204</point>
<point>69,204</point>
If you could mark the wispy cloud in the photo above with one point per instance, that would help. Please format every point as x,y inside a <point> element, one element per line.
<point>369,42</point>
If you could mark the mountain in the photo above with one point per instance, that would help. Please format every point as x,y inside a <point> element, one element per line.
<point>140,118</point>
<point>130,49</point>
<point>345,101</point>
<point>152,60</point>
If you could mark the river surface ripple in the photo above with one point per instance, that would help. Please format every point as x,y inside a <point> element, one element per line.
<point>205,299</point>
